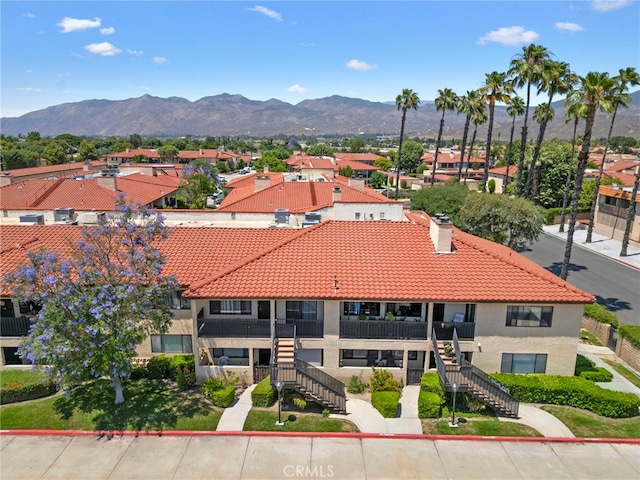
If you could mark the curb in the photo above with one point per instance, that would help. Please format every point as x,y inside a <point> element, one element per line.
<point>402,436</point>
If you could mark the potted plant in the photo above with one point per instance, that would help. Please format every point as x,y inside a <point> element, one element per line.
<point>448,349</point>
<point>388,316</point>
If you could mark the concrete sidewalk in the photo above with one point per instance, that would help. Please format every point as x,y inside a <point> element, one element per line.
<point>619,383</point>
<point>234,416</point>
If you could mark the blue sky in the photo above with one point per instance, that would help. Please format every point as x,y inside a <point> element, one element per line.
<point>58,52</point>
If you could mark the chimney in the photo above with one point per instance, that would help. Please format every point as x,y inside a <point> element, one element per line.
<point>108,181</point>
<point>265,169</point>
<point>337,194</point>
<point>441,230</point>
<point>5,179</point>
<point>201,152</point>
<point>262,182</point>
<point>128,150</point>
<point>86,167</point>
<point>357,183</point>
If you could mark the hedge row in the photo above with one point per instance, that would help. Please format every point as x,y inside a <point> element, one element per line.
<point>572,391</point>
<point>585,368</point>
<point>386,403</point>
<point>430,382</point>
<point>631,333</point>
<point>429,405</point>
<point>224,396</point>
<point>22,385</point>
<point>600,314</point>
<point>263,395</point>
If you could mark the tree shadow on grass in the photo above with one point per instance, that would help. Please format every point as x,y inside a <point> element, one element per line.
<point>150,405</point>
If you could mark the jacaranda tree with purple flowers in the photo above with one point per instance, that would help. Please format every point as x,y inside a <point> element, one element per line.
<point>99,299</point>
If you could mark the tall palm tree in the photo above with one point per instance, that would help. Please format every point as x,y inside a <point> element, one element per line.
<point>495,89</point>
<point>525,72</point>
<point>555,78</point>
<point>515,109</point>
<point>575,111</point>
<point>406,100</point>
<point>620,98</point>
<point>542,114</point>
<point>446,100</point>
<point>595,92</point>
<point>631,213</point>
<point>479,116</point>
<point>464,106</point>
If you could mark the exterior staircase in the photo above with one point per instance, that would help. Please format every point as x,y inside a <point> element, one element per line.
<point>311,382</point>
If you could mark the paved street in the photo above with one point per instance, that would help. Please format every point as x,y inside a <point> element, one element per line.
<point>615,285</point>
<point>281,457</point>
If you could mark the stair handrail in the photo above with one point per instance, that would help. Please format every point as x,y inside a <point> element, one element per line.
<point>481,379</point>
<point>320,377</point>
<point>485,376</point>
<point>442,370</point>
<point>456,346</point>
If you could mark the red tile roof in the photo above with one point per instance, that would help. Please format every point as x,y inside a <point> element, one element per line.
<point>356,166</point>
<point>358,157</point>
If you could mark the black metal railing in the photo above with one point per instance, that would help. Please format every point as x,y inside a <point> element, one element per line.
<point>284,328</point>
<point>445,330</point>
<point>208,327</point>
<point>383,329</point>
<point>14,326</point>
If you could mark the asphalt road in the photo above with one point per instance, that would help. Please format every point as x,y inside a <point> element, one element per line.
<point>614,285</point>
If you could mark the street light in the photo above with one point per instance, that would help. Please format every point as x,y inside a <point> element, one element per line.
<point>279,385</point>
<point>454,387</point>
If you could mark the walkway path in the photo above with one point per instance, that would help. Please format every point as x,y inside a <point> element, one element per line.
<point>619,383</point>
<point>233,417</point>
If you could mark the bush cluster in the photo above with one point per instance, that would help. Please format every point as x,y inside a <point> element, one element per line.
<point>549,214</point>
<point>630,333</point>
<point>221,393</point>
<point>180,368</point>
<point>22,385</point>
<point>356,385</point>
<point>571,391</point>
<point>158,367</point>
<point>386,402</point>
<point>263,395</point>
<point>383,381</point>
<point>431,397</point>
<point>600,314</point>
<point>587,369</point>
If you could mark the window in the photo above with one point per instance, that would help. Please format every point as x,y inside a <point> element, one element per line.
<point>171,344</point>
<point>405,309</point>
<point>524,363</point>
<point>361,308</point>
<point>302,310</point>
<point>381,215</point>
<point>529,316</point>
<point>230,307</point>
<point>177,302</point>
<point>29,308</point>
<point>357,215</point>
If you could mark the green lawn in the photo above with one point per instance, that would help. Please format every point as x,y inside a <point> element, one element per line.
<point>149,405</point>
<point>584,424</point>
<point>488,427</point>
<point>589,338</point>
<point>265,421</point>
<point>624,371</point>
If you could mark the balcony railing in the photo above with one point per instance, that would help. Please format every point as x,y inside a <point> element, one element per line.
<point>382,329</point>
<point>303,328</point>
<point>444,330</point>
<point>208,327</point>
<point>14,326</point>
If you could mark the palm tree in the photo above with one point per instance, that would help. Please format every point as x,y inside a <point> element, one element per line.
<point>595,92</point>
<point>574,111</point>
<point>542,114</point>
<point>479,116</point>
<point>515,109</point>
<point>555,78</point>
<point>495,89</point>
<point>464,106</point>
<point>620,98</point>
<point>406,100</point>
<point>631,212</point>
<point>525,71</point>
<point>446,100</point>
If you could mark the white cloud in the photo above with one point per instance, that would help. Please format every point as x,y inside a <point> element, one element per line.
<point>159,60</point>
<point>69,24</point>
<point>297,89</point>
<point>608,5</point>
<point>29,71</point>
<point>107,31</point>
<point>29,89</point>
<point>29,15</point>
<point>131,51</point>
<point>568,27</point>
<point>268,12</point>
<point>104,49</point>
<point>307,45</point>
<point>509,36</point>
<point>359,65</point>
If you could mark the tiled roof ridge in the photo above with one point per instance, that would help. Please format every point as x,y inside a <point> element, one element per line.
<point>18,246</point>
<point>254,257</point>
<point>47,192</point>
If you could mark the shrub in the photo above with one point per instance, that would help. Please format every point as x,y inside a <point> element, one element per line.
<point>356,385</point>
<point>386,403</point>
<point>22,385</point>
<point>211,385</point>
<point>403,184</point>
<point>430,382</point>
<point>138,373</point>
<point>549,214</point>
<point>326,412</point>
<point>383,381</point>
<point>598,374</point>
<point>582,364</point>
<point>300,402</point>
<point>224,396</point>
<point>429,404</point>
<point>177,364</point>
<point>491,185</point>
<point>571,391</point>
<point>600,314</point>
<point>185,377</point>
<point>158,367</point>
<point>630,333</point>
<point>263,395</point>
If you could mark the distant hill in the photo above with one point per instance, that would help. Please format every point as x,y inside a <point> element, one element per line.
<point>237,115</point>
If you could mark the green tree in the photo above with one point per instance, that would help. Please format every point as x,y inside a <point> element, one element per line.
<point>320,150</point>
<point>478,117</point>
<point>33,137</point>
<point>515,109</point>
<point>87,151</point>
<point>412,152</point>
<point>447,198</point>
<point>346,171</point>
<point>525,70</point>
<point>140,158</point>
<point>408,99</point>
<point>446,100</point>
<point>274,163</point>
<point>383,164</point>
<point>199,180</point>
<point>542,114</point>
<point>168,153</point>
<point>222,167</point>
<point>99,301</point>
<point>54,154</point>
<point>377,180</point>
<point>135,140</point>
<point>356,145</point>
<point>631,213</point>
<point>466,104</point>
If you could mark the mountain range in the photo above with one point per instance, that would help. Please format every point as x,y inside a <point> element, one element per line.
<point>235,115</point>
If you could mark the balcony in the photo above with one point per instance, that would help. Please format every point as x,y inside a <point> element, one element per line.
<point>14,326</point>
<point>238,327</point>
<point>303,328</point>
<point>383,329</point>
<point>465,330</point>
